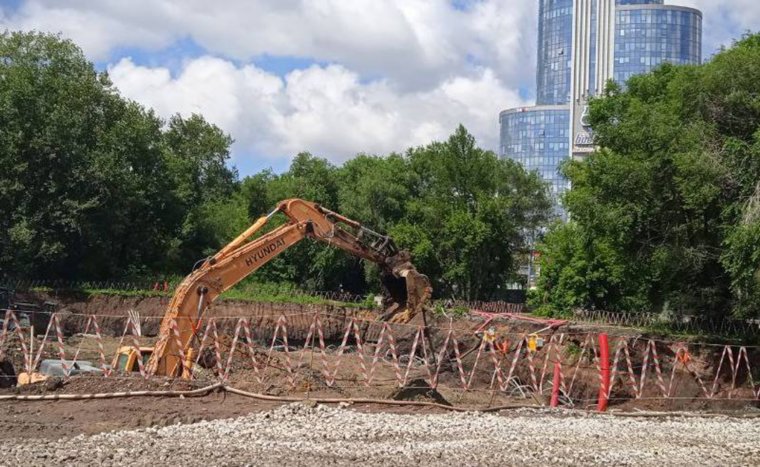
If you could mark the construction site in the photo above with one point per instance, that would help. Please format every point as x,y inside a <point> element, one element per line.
<point>423,233</point>
<point>490,378</point>
<point>411,380</point>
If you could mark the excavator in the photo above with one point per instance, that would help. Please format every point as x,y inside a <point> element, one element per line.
<point>407,291</point>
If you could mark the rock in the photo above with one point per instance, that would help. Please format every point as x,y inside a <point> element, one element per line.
<point>53,383</point>
<point>300,434</point>
<point>419,390</point>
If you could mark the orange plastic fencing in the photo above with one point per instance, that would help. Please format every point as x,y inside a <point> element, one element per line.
<point>370,353</point>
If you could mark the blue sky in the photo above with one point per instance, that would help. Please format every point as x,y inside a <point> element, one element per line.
<point>327,76</point>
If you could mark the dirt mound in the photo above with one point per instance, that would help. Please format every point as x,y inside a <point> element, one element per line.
<point>83,384</point>
<point>419,390</point>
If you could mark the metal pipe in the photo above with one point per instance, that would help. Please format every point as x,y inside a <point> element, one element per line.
<point>604,372</point>
<point>555,386</point>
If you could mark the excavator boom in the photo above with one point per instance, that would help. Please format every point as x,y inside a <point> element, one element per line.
<point>408,291</point>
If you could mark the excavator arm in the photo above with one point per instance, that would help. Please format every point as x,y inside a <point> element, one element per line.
<point>408,290</point>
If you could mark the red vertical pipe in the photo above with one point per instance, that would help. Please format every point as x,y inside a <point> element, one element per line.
<point>604,372</point>
<point>555,386</point>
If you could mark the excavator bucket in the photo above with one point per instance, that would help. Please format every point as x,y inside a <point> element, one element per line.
<point>407,291</point>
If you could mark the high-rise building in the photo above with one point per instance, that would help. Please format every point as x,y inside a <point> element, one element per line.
<point>539,139</point>
<point>647,35</point>
<point>581,45</point>
<point>555,36</point>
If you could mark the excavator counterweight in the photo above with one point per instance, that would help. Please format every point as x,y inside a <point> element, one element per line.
<point>407,291</point>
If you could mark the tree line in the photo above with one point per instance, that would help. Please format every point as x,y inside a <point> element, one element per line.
<point>95,186</point>
<point>664,217</point>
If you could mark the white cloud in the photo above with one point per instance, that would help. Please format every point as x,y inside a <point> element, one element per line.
<point>326,110</point>
<point>725,20</point>
<point>413,43</point>
<point>95,32</point>
<point>399,73</point>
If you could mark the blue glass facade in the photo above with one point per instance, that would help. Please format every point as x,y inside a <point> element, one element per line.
<point>555,34</point>
<point>592,51</point>
<point>638,2</point>
<point>647,33</point>
<point>646,36</point>
<point>539,139</point>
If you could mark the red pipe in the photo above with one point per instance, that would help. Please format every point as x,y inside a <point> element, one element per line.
<point>604,372</point>
<point>555,386</point>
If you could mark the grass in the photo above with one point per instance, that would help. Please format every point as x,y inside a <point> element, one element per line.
<point>87,291</point>
<point>456,312</point>
<point>573,349</point>
<point>300,299</point>
<point>249,292</point>
<point>671,330</point>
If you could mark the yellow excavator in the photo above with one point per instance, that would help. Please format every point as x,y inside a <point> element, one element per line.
<point>407,291</point>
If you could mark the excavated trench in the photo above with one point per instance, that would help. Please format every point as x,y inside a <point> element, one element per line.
<point>111,312</point>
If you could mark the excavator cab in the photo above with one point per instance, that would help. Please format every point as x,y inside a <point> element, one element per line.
<point>126,358</point>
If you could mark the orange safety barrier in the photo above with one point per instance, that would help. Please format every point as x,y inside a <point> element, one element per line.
<point>371,353</point>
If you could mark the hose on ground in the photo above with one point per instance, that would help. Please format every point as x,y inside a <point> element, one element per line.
<point>348,400</point>
<point>342,400</point>
<point>110,395</point>
<point>223,387</point>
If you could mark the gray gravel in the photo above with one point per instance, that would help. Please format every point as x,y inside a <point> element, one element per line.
<point>300,435</point>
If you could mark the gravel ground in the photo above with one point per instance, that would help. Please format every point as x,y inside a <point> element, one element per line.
<point>297,434</point>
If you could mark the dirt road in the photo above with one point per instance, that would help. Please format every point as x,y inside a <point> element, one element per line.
<point>298,434</point>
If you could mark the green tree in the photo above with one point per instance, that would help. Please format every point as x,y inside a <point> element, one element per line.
<point>660,215</point>
<point>82,185</point>
<point>470,217</point>
<point>93,185</point>
<point>464,214</point>
<point>197,155</point>
<point>375,189</point>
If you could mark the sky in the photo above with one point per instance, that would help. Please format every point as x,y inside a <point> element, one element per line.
<point>332,77</point>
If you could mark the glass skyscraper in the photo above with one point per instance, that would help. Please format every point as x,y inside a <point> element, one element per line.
<point>555,35</point>
<point>614,39</point>
<point>539,139</point>
<point>639,2</point>
<point>648,35</point>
